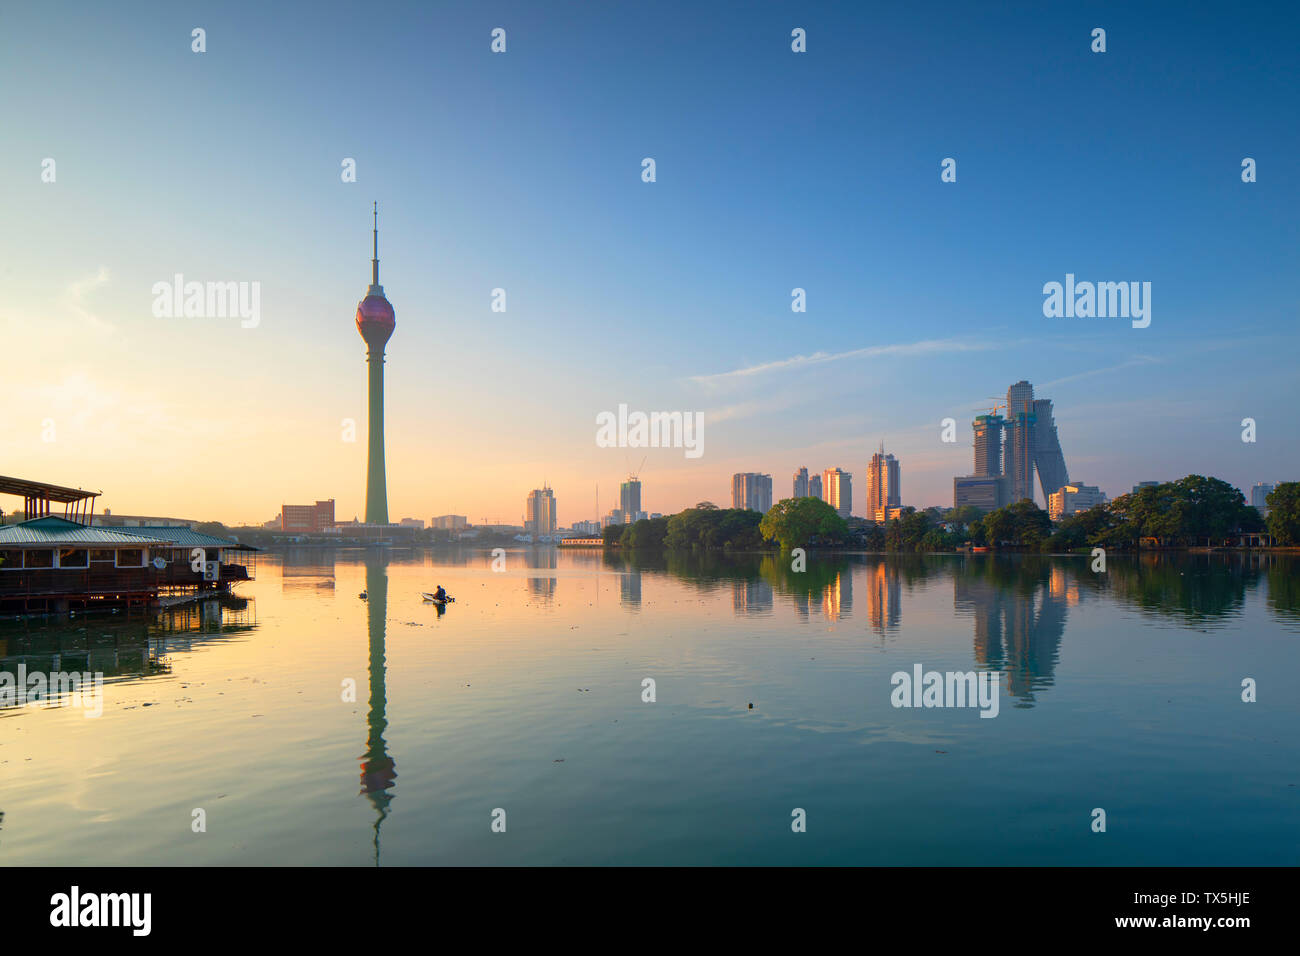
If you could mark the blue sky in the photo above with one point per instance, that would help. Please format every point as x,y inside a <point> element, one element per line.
<point>521,170</point>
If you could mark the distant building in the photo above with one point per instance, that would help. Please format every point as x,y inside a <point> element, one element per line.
<point>586,527</point>
<point>307,519</point>
<point>614,517</point>
<point>629,499</point>
<point>412,523</point>
<point>888,513</point>
<point>110,520</point>
<point>1145,484</point>
<point>815,486</point>
<point>801,483</point>
<point>837,490</point>
<point>988,444</point>
<point>449,523</point>
<point>883,484</point>
<point>539,512</point>
<point>1259,496</point>
<point>986,492</point>
<point>1012,449</point>
<point>1049,460</point>
<point>751,491</point>
<point>1074,498</point>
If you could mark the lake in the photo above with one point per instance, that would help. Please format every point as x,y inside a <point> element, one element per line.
<point>301,724</point>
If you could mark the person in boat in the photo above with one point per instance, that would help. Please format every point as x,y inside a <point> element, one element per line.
<point>440,594</point>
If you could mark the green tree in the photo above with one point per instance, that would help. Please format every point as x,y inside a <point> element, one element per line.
<point>714,528</point>
<point>646,533</point>
<point>1284,513</point>
<point>800,522</point>
<point>1022,524</point>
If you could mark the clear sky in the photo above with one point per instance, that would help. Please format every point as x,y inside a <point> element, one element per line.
<point>522,171</point>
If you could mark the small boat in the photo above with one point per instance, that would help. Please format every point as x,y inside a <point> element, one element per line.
<point>434,599</point>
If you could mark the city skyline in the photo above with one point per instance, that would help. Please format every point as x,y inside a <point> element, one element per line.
<point>916,331</point>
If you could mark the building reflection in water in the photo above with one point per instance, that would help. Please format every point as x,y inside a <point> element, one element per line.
<point>541,586</point>
<point>307,569</point>
<point>751,596</point>
<point>629,589</point>
<point>378,768</point>
<point>123,649</point>
<point>837,598</point>
<point>884,605</point>
<point>1019,611</point>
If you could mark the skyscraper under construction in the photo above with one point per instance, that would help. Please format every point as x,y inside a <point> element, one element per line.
<point>1009,450</point>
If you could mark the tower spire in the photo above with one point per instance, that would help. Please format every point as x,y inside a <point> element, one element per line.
<point>374,259</point>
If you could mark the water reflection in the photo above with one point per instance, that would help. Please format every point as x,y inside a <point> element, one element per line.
<point>378,767</point>
<point>1019,612</point>
<point>1017,604</point>
<point>119,647</point>
<point>752,596</point>
<point>884,598</point>
<point>541,586</point>
<point>307,569</point>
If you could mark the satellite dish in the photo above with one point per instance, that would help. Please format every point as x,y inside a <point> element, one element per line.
<point>159,563</point>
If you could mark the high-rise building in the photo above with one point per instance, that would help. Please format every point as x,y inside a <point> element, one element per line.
<point>751,491</point>
<point>539,511</point>
<point>1013,448</point>
<point>883,485</point>
<point>1018,454</point>
<point>1049,460</point>
<point>801,483</point>
<point>814,486</point>
<point>376,321</point>
<point>837,490</point>
<point>1145,484</point>
<point>988,445</point>
<point>1259,496</point>
<point>1070,499</point>
<point>629,498</point>
<point>449,522</point>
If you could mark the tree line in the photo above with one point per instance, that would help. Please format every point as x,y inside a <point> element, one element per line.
<point>1191,511</point>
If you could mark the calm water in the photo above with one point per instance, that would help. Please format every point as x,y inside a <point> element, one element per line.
<point>1120,691</point>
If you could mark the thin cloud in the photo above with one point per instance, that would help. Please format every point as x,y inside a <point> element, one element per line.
<point>928,347</point>
<point>1131,363</point>
<point>76,294</point>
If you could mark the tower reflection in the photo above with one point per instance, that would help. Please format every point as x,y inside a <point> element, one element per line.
<point>378,768</point>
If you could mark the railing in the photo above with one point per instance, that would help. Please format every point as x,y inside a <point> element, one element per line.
<point>42,582</point>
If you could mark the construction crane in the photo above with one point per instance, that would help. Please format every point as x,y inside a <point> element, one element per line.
<point>999,399</point>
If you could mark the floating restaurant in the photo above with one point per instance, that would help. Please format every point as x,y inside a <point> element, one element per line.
<point>53,564</point>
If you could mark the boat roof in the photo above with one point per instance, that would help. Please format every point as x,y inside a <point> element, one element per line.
<point>184,537</point>
<point>51,530</point>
